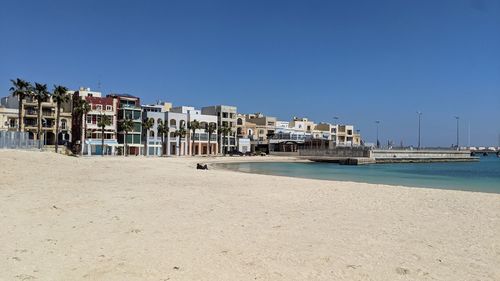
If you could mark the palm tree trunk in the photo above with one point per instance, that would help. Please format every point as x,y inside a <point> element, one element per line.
<point>125,147</point>
<point>102,141</point>
<point>39,125</point>
<point>192,144</point>
<point>19,121</point>
<point>209,146</point>
<point>57,125</point>
<point>146,152</point>
<point>84,133</point>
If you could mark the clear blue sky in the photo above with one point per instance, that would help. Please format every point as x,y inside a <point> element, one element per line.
<point>359,60</point>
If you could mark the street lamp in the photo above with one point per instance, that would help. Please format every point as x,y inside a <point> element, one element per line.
<point>458,146</point>
<point>377,122</point>
<point>419,120</point>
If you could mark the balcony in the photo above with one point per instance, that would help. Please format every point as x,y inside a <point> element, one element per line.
<point>48,114</point>
<point>31,113</point>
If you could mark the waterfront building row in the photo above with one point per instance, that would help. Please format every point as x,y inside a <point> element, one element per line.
<point>221,128</point>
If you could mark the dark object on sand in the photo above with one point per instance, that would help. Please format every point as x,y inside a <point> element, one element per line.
<point>201,167</point>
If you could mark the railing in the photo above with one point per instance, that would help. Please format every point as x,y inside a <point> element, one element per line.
<point>16,140</point>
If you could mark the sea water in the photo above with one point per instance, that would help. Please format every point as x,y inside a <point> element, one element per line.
<point>482,176</point>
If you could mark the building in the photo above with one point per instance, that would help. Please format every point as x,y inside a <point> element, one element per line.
<point>86,131</point>
<point>9,113</point>
<point>337,135</point>
<point>201,135</point>
<point>129,107</point>
<point>258,128</point>
<point>29,115</point>
<point>158,107</point>
<point>173,145</point>
<point>288,138</point>
<point>226,117</point>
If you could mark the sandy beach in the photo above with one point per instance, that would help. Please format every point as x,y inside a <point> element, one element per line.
<point>137,218</point>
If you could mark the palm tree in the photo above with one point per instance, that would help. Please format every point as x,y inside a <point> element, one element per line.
<point>20,89</point>
<point>81,108</point>
<point>59,96</point>
<point>41,94</point>
<point>211,128</point>
<point>224,130</point>
<point>193,126</point>
<point>163,130</point>
<point>147,124</point>
<point>127,126</point>
<point>180,133</point>
<point>104,121</point>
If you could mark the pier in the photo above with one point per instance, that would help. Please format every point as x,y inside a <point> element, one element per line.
<point>366,155</point>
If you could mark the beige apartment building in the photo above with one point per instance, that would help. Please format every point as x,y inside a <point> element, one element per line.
<point>340,135</point>
<point>29,117</point>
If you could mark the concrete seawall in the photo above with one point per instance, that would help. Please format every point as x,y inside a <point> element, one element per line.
<point>410,156</point>
<point>364,155</point>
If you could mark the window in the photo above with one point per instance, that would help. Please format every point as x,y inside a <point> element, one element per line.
<point>173,123</point>
<point>225,115</point>
<point>89,119</point>
<point>98,107</point>
<point>239,121</point>
<point>63,124</point>
<point>109,108</point>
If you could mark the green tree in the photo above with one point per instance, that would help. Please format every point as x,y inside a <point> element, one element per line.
<point>59,96</point>
<point>41,94</point>
<point>180,133</point>
<point>127,126</point>
<point>80,109</point>
<point>104,121</point>
<point>210,129</point>
<point>163,130</point>
<point>147,124</point>
<point>20,89</point>
<point>193,126</point>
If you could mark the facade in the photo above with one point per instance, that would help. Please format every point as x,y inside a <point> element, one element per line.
<point>87,133</point>
<point>173,145</point>
<point>226,116</point>
<point>258,128</point>
<point>158,107</point>
<point>288,138</point>
<point>129,107</point>
<point>338,135</point>
<point>9,114</point>
<point>201,135</point>
<point>29,117</point>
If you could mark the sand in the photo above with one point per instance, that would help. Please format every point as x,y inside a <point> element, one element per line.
<point>136,218</point>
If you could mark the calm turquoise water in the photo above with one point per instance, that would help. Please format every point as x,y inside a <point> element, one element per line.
<point>483,176</point>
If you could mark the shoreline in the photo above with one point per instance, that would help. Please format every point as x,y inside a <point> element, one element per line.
<point>219,165</point>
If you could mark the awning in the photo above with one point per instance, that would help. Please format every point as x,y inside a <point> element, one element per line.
<point>99,142</point>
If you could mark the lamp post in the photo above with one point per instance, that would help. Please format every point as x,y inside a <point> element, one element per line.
<point>377,122</point>
<point>458,145</point>
<point>419,120</point>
